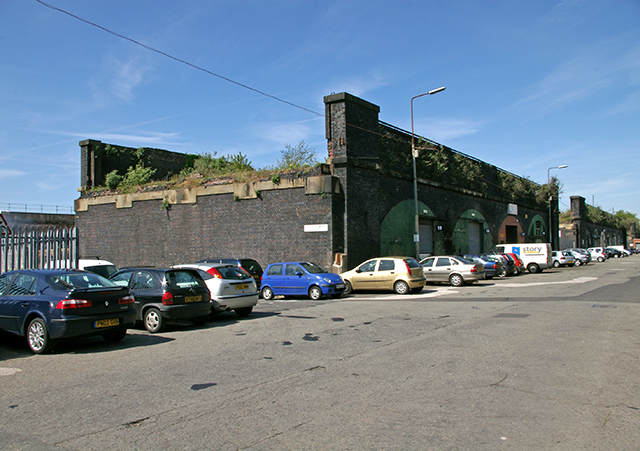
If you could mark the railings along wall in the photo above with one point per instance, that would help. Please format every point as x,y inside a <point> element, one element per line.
<point>31,247</point>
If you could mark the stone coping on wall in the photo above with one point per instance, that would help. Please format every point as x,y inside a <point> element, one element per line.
<point>323,184</point>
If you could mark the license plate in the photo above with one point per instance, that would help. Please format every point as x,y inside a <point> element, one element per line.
<point>192,298</point>
<point>340,286</point>
<point>107,322</point>
<point>242,287</point>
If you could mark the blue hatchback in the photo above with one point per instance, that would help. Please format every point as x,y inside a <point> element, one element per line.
<point>300,279</point>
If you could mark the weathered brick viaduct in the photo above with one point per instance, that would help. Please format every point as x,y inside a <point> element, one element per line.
<point>357,206</point>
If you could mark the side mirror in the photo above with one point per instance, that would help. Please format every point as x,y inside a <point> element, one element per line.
<point>358,271</point>
<point>298,274</point>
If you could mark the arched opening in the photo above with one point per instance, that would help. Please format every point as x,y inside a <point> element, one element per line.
<point>470,235</point>
<point>397,230</point>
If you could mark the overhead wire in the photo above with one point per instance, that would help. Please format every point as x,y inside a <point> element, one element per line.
<point>194,66</point>
<point>222,77</point>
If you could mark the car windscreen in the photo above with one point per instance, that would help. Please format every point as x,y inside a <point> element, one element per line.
<point>233,272</point>
<point>313,268</point>
<point>465,261</point>
<point>183,279</point>
<point>67,281</point>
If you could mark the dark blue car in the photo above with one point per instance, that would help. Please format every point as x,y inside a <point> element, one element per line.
<point>47,305</point>
<point>300,279</point>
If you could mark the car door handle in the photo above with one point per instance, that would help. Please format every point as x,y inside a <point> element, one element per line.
<point>25,304</point>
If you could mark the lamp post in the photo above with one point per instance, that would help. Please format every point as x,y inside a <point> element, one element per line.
<point>562,166</point>
<point>416,230</point>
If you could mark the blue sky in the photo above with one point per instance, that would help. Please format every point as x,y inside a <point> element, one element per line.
<point>530,85</point>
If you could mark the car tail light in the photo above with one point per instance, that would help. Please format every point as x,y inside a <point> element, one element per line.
<point>73,303</point>
<point>167,299</point>
<point>129,299</point>
<point>495,266</point>
<point>474,269</point>
<point>407,265</point>
<point>215,273</point>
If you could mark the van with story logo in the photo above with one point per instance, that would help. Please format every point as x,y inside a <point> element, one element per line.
<point>535,256</point>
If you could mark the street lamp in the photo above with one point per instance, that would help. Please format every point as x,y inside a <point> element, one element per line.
<point>416,230</point>
<point>562,166</point>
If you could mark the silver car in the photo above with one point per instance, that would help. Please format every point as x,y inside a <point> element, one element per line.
<point>455,270</point>
<point>231,286</point>
<point>582,256</point>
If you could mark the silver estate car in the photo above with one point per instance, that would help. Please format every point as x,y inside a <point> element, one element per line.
<point>455,270</point>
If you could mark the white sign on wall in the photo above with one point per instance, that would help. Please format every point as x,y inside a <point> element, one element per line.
<point>512,209</point>
<point>316,228</point>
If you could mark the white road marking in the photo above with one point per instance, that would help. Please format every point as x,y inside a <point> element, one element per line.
<point>536,284</point>
<point>9,371</point>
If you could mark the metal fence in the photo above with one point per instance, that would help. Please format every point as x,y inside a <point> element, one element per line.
<point>33,247</point>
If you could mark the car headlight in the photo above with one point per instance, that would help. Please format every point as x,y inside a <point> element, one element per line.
<point>326,279</point>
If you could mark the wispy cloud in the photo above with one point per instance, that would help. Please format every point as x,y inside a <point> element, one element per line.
<point>445,129</point>
<point>584,75</point>
<point>119,79</point>
<point>359,86</point>
<point>6,173</point>
<point>145,139</point>
<point>286,132</point>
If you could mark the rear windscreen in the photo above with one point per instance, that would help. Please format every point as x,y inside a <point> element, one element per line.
<point>183,279</point>
<point>78,280</point>
<point>233,272</point>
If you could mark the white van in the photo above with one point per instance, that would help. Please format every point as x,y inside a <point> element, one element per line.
<point>535,256</point>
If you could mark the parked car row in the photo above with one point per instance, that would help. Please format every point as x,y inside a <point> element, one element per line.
<point>47,305</point>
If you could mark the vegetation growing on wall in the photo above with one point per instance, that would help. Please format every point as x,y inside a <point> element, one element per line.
<point>441,164</point>
<point>199,168</point>
<point>596,215</point>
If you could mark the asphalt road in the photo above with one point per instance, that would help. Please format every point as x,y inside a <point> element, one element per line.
<point>539,361</point>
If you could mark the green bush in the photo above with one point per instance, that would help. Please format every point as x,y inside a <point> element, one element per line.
<point>113,179</point>
<point>136,177</point>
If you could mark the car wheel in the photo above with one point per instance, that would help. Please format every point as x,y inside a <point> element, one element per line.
<point>417,289</point>
<point>315,292</point>
<point>244,311</point>
<point>153,321</point>
<point>502,273</point>
<point>348,289</point>
<point>600,259</point>
<point>456,280</point>
<point>533,268</point>
<point>556,264</point>
<point>401,287</point>
<point>38,337</point>
<point>267,293</point>
<point>115,335</point>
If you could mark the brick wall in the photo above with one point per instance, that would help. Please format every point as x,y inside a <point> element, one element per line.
<point>268,228</point>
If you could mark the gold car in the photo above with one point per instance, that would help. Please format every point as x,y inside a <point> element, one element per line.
<point>399,274</point>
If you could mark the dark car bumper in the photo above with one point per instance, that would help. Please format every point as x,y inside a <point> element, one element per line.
<point>186,311</point>
<point>89,325</point>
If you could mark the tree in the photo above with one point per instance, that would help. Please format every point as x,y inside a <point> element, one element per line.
<point>297,156</point>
